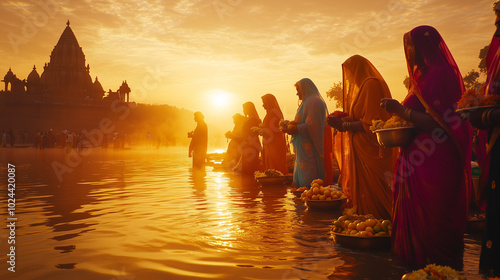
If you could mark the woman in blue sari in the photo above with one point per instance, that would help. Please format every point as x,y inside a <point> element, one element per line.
<point>309,134</point>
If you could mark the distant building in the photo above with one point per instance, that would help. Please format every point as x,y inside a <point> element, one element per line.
<point>65,79</point>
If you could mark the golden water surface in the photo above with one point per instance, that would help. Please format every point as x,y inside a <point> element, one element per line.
<point>143,214</point>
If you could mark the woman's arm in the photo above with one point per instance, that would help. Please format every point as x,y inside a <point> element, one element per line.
<point>484,119</point>
<point>343,126</point>
<point>422,120</point>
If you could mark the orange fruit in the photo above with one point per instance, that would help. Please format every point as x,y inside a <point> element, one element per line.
<point>371,222</point>
<point>315,190</point>
<point>327,193</point>
<point>361,226</point>
<point>369,229</point>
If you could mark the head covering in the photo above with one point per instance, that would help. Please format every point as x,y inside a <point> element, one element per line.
<point>492,67</point>
<point>432,70</point>
<point>238,118</point>
<point>199,115</point>
<point>356,71</point>
<point>308,89</point>
<point>496,6</point>
<point>272,107</point>
<point>250,110</point>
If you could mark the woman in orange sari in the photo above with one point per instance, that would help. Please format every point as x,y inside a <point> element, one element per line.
<point>273,139</point>
<point>365,165</point>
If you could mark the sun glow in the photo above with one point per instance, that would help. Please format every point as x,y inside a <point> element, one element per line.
<point>220,98</point>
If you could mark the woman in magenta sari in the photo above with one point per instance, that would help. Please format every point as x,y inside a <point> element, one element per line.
<point>432,179</point>
<point>250,146</point>
<point>273,139</point>
<point>488,120</point>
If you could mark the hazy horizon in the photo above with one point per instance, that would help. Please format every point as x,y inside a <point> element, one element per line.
<point>212,56</point>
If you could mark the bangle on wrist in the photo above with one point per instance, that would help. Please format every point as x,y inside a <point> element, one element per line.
<point>407,114</point>
<point>346,126</point>
<point>485,118</point>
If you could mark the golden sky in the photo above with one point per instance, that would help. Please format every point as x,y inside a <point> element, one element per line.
<point>185,52</point>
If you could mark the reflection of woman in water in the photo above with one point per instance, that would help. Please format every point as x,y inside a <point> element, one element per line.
<point>199,141</point>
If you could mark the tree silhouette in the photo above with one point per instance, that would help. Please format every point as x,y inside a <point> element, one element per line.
<point>336,93</point>
<point>470,80</point>
<point>406,82</point>
<point>482,55</point>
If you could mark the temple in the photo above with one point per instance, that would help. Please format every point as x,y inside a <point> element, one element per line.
<point>65,79</point>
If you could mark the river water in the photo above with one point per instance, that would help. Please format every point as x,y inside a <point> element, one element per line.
<point>143,214</point>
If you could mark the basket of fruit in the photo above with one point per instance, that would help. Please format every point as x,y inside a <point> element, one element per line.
<point>319,197</point>
<point>362,232</point>
<point>395,132</point>
<point>433,271</point>
<point>270,177</point>
<point>298,191</point>
<point>472,100</point>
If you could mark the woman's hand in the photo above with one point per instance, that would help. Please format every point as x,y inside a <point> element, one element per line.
<point>335,122</point>
<point>291,129</point>
<point>392,106</point>
<point>476,118</point>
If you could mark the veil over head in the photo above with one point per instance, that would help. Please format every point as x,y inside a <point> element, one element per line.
<point>250,109</point>
<point>356,70</point>
<point>308,89</point>
<point>272,106</point>
<point>432,69</point>
<point>492,66</point>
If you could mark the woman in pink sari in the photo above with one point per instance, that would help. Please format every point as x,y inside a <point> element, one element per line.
<point>273,139</point>
<point>432,179</point>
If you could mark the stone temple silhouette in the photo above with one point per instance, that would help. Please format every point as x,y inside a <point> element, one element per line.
<point>65,79</point>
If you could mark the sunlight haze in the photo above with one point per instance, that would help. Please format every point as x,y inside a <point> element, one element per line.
<point>212,56</point>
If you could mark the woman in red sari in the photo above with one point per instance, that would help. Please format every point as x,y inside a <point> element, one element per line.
<point>432,178</point>
<point>273,139</point>
<point>250,146</point>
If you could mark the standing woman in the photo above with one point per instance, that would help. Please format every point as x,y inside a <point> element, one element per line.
<point>199,142</point>
<point>233,154</point>
<point>308,137</point>
<point>251,147</point>
<point>489,120</point>
<point>365,165</point>
<point>433,176</point>
<point>273,139</point>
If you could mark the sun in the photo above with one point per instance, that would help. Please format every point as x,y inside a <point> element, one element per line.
<point>220,98</point>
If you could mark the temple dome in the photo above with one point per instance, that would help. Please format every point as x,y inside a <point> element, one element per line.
<point>33,77</point>
<point>66,77</point>
<point>97,90</point>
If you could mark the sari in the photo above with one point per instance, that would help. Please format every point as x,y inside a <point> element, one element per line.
<point>273,139</point>
<point>433,174</point>
<point>309,143</point>
<point>233,154</point>
<point>489,193</point>
<point>199,142</point>
<point>366,166</point>
<point>250,146</point>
